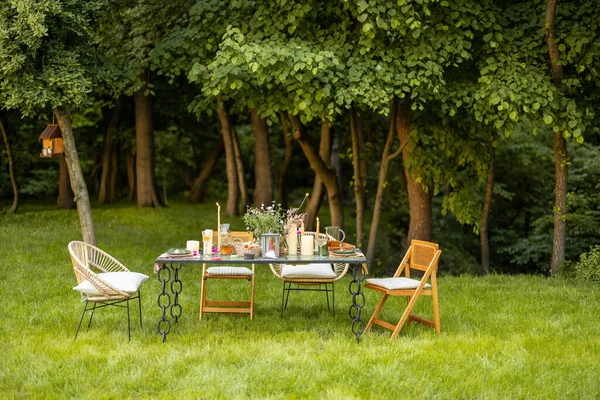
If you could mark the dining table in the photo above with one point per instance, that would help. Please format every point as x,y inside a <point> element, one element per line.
<point>167,268</point>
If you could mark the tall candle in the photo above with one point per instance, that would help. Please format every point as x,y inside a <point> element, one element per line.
<point>292,240</point>
<point>317,235</point>
<point>219,226</point>
<point>302,229</point>
<point>307,245</point>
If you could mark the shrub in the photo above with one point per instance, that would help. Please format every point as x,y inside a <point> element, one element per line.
<point>588,267</point>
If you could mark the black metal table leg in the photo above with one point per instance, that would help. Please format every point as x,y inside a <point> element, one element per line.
<point>164,301</point>
<point>358,325</point>
<point>176,287</point>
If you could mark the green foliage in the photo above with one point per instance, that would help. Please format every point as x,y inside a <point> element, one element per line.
<point>44,183</point>
<point>265,219</point>
<point>588,267</point>
<point>47,56</point>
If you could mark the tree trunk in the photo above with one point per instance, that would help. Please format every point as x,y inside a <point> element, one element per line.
<point>65,193</point>
<point>386,157</point>
<point>107,156</point>
<point>560,203</point>
<point>197,192</point>
<point>316,197</point>
<point>359,188</point>
<point>147,194</point>
<point>232,184</point>
<point>239,166</point>
<point>559,147</point>
<point>11,170</point>
<point>419,201</point>
<point>287,159</point>
<point>114,181</point>
<point>76,175</point>
<point>263,187</point>
<point>485,216</point>
<point>326,174</point>
<point>131,174</point>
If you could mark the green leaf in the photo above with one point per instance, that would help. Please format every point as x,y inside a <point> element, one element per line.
<point>366,27</point>
<point>548,119</point>
<point>362,17</point>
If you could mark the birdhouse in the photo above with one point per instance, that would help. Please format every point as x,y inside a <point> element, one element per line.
<point>52,142</point>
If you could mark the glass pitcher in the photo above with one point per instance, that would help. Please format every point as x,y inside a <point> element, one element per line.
<point>335,236</point>
<point>226,240</point>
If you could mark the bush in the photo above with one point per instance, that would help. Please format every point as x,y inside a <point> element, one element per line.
<point>588,267</point>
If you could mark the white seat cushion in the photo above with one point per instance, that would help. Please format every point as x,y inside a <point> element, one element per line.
<point>236,271</point>
<point>396,283</point>
<point>319,271</point>
<point>128,282</point>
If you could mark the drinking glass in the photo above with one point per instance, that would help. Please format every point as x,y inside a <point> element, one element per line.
<point>321,243</point>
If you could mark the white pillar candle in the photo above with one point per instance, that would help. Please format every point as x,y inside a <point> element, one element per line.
<point>219,227</point>
<point>292,240</point>
<point>193,245</point>
<point>307,245</point>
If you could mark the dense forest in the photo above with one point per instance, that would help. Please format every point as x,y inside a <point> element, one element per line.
<point>470,123</point>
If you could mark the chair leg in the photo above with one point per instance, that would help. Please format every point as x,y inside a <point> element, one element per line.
<point>80,320</point>
<point>327,295</point>
<point>140,306</point>
<point>252,294</point>
<point>128,322</point>
<point>289,289</point>
<point>282,298</point>
<point>333,298</point>
<point>91,315</point>
<point>203,296</point>
<point>376,312</point>
<point>436,308</point>
<point>405,315</point>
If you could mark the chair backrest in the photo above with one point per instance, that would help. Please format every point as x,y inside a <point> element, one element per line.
<point>419,256</point>
<point>85,256</point>
<point>422,253</point>
<point>245,236</point>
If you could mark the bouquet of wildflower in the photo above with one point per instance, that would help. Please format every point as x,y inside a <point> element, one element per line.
<point>261,220</point>
<point>293,218</point>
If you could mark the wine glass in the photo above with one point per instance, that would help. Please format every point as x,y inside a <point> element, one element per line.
<point>321,242</point>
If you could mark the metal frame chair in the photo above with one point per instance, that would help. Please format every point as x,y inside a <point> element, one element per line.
<point>86,257</point>
<point>308,283</point>
<point>422,256</point>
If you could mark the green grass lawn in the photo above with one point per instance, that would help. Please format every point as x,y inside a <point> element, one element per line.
<point>503,337</point>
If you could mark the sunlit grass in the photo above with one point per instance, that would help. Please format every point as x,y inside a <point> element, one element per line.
<point>502,336</point>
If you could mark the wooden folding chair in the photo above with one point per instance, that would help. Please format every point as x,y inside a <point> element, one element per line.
<point>422,256</point>
<point>228,272</point>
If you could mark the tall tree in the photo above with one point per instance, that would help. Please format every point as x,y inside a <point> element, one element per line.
<point>560,146</point>
<point>11,170</point>
<point>263,188</point>
<point>147,194</point>
<point>48,60</point>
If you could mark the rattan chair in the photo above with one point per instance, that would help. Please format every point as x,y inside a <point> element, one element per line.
<point>227,272</point>
<point>309,277</point>
<point>112,285</point>
<point>422,256</point>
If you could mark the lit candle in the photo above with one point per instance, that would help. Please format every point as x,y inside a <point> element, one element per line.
<point>317,235</point>
<point>219,227</point>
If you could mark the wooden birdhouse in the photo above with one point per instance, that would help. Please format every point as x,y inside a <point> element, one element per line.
<point>52,142</point>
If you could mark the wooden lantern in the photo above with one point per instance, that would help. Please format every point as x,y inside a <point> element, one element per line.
<point>52,142</point>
